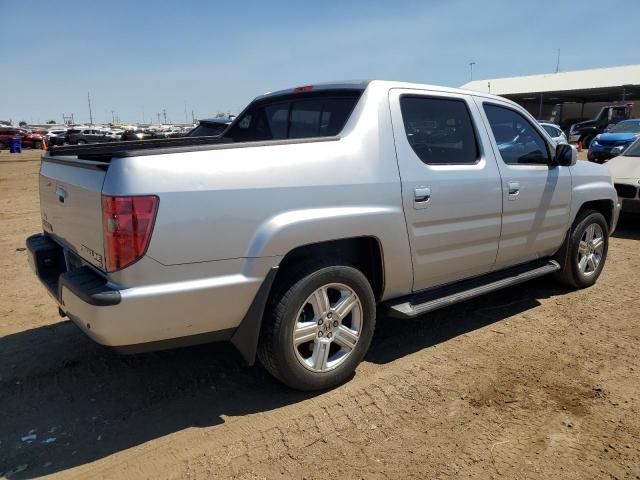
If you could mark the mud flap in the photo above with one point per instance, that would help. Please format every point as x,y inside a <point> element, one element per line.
<point>246,336</point>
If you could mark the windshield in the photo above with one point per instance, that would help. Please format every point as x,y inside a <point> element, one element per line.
<point>628,126</point>
<point>633,150</point>
<point>552,131</point>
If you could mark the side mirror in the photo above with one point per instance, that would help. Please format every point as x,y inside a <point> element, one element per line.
<point>615,151</point>
<point>566,155</point>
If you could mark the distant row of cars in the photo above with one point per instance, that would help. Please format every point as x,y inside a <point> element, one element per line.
<point>29,138</point>
<point>85,135</point>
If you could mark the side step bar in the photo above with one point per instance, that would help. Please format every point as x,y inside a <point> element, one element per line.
<point>441,297</point>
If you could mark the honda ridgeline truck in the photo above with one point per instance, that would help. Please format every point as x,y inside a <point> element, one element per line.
<point>315,205</point>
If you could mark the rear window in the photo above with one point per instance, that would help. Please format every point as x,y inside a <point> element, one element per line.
<point>295,116</point>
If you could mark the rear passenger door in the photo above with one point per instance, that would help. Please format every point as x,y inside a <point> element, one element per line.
<point>536,192</point>
<point>451,189</point>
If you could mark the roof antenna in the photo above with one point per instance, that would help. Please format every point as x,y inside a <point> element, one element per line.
<point>558,62</point>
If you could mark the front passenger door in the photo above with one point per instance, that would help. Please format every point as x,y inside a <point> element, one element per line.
<point>536,192</point>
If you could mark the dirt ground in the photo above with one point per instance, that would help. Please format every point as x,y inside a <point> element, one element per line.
<point>532,382</point>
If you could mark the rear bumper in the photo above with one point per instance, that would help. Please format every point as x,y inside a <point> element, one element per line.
<point>144,318</point>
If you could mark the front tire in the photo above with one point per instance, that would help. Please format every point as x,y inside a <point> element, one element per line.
<point>318,326</point>
<point>587,250</point>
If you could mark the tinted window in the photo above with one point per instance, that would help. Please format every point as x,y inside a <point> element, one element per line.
<point>439,131</point>
<point>518,141</point>
<point>295,117</point>
<point>633,150</point>
<point>276,117</point>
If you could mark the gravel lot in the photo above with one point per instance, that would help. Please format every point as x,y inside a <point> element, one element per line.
<point>532,382</point>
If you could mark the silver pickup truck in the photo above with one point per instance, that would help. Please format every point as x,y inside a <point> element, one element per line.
<point>316,204</point>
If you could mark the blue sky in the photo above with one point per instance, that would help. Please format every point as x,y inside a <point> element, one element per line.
<point>139,57</point>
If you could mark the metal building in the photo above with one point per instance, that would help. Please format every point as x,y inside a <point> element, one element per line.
<point>567,96</point>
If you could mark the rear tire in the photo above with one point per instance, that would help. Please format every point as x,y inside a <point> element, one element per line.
<point>318,325</point>
<point>586,141</point>
<point>587,250</point>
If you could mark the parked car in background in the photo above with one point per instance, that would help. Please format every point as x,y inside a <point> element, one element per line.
<point>88,135</point>
<point>622,135</point>
<point>135,135</point>
<point>555,132</point>
<point>315,205</point>
<point>625,170</point>
<point>29,140</point>
<point>567,123</point>
<point>115,134</point>
<point>210,127</point>
<point>56,136</point>
<point>585,132</point>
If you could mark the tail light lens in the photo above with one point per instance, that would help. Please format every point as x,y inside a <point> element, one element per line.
<point>127,223</point>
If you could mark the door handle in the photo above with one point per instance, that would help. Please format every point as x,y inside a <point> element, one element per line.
<point>421,197</point>
<point>514,190</point>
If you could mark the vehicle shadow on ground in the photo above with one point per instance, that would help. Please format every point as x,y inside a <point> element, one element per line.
<point>628,227</point>
<point>83,402</point>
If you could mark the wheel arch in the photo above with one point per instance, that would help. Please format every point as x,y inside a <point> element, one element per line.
<point>364,253</point>
<point>605,206</point>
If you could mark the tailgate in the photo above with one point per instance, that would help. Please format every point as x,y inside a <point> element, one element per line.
<point>71,205</point>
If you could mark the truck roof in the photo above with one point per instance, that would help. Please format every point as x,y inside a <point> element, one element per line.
<point>362,85</point>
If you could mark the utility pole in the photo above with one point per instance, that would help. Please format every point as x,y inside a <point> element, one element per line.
<point>158,118</point>
<point>113,118</point>
<point>193,117</point>
<point>90,114</point>
<point>185,112</point>
<point>164,113</point>
<point>471,64</point>
<point>558,62</point>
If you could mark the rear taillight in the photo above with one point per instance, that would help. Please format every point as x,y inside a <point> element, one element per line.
<point>127,223</point>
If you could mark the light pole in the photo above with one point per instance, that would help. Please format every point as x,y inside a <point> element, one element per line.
<point>471,64</point>
<point>113,118</point>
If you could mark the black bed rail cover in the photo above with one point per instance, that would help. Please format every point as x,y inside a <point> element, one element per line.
<point>105,150</point>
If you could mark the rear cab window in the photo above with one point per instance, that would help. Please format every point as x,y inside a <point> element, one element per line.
<point>439,130</point>
<point>298,115</point>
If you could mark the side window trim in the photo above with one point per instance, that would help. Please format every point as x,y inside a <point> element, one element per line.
<point>474,127</point>
<point>537,128</point>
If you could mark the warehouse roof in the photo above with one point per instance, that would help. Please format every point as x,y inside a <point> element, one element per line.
<point>598,84</point>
